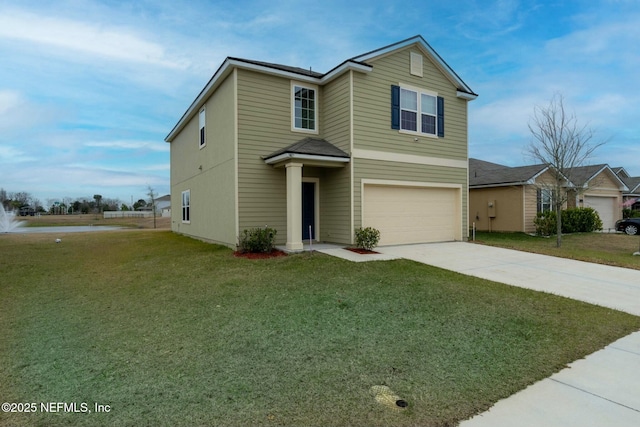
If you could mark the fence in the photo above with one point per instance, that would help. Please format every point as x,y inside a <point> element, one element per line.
<point>127,214</point>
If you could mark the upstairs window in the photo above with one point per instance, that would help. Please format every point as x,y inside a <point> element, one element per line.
<point>305,108</point>
<point>202,123</point>
<point>417,111</point>
<point>186,206</point>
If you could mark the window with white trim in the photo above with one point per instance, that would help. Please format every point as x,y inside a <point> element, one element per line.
<point>545,200</point>
<point>186,206</point>
<point>304,108</point>
<point>418,111</point>
<point>202,127</point>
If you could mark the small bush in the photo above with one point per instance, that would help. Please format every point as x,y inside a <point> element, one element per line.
<point>367,238</point>
<point>545,223</point>
<point>574,220</point>
<point>630,213</point>
<point>580,220</point>
<point>257,240</point>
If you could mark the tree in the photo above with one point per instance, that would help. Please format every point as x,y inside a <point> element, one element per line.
<point>152,196</point>
<point>98,199</point>
<point>563,144</point>
<point>139,204</point>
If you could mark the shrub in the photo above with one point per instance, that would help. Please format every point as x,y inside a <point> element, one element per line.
<point>257,240</point>
<point>580,220</point>
<point>574,220</point>
<point>630,213</point>
<point>545,223</point>
<point>367,238</point>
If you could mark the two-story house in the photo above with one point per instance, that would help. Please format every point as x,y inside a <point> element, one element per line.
<point>380,140</point>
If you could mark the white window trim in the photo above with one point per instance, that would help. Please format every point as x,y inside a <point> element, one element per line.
<point>549,194</point>
<point>202,123</point>
<point>188,221</point>
<point>419,92</point>
<point>315,131</point>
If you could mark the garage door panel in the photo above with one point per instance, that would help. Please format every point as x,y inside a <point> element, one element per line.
<point>605,206</point>
<point>411,214</point>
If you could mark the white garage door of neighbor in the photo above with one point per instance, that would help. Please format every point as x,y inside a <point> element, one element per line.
<point>605,207</point>
<point>411,214</point>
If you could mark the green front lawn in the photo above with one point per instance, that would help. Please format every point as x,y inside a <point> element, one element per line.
<point>601,248</point>
<point>170,331</point>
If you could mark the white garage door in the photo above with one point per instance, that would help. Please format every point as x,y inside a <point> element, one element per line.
<point>412,214</point>
<point>605,206</point>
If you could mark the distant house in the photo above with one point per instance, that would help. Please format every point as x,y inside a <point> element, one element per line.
<point>503,198</point>
<point>600,188</point>
<point>630,197</point>
<point>163,205</point>
<point>380,140</point>
<point>26,211</point>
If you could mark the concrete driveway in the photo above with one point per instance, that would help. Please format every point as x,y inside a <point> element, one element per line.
<point>612,287</point>
<point>601,390</point>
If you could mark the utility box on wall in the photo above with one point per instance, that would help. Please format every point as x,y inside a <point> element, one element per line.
<point>491,209</point>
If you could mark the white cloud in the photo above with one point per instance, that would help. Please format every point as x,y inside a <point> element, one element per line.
<point>130,145</point>
<point>116,43</point>
<point>9,154</point>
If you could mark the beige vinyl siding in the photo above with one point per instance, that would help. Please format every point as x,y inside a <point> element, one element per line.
<point>397,171</point>
<point>372,109</point>
<point>335,112</point>
<point>509,208</point>
<point>335,183</point>
<point>530,208</point>
<point>264,126</point>
<point>208,172</point>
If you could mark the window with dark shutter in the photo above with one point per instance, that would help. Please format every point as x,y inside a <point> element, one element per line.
<point>440,116</point>
<point>414,110</point>
<point>395,107</point>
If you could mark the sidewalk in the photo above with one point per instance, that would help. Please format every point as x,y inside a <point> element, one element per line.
<point>600,390</point>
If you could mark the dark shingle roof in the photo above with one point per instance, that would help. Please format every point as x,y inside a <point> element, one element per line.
<point>311,146</point>
<point>281,67</point>
<point>583,174</point>
<point>483,173</point>
<point>633,183</point>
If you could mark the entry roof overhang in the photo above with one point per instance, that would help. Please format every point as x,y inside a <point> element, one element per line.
<point>310,151</point>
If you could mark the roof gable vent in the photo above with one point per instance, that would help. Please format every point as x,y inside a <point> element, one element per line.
<point>416,64</point>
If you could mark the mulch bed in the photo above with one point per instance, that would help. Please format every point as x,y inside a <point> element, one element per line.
<point>262,255</point>
<point>361,251</point>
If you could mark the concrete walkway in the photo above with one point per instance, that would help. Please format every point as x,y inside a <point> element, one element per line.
<point>600,390</point>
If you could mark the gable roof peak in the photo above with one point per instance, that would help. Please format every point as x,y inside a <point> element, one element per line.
<point>430,51</point>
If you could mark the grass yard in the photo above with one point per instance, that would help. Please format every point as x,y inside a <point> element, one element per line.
<point>601,248</point>
<point>171,331</point>
<point>93,219</point>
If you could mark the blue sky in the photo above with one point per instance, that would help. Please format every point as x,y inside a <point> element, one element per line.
<point>89,89</point>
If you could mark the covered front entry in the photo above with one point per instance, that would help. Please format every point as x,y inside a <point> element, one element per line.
<point>302,193</point>
<point>412,213</point>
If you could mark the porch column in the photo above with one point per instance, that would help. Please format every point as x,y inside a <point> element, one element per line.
<point>294,206</point>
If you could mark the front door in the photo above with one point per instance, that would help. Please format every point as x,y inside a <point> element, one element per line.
<point>308,210</point>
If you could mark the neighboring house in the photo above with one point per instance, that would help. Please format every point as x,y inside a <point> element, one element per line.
<point>163,205</point>
<point>599,187</point>
<point>380,140</point>
<point>503,198</point>
<point>631,197</point>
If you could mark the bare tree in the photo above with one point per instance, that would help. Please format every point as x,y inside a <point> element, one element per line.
<point>152,196</point>
<point>563,144</point>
